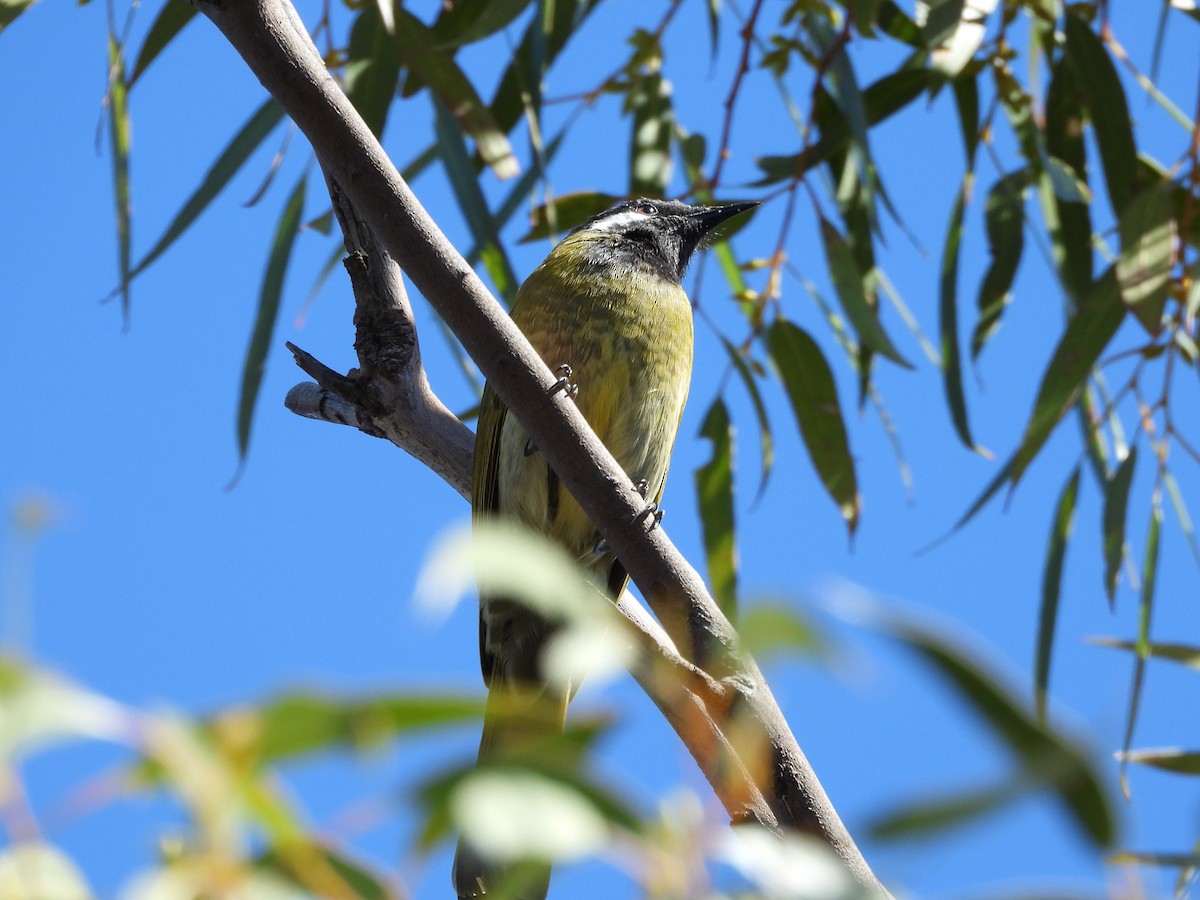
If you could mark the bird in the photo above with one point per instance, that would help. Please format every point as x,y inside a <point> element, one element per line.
<point>607,310</point>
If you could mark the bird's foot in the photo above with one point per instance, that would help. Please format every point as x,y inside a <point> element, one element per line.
<point>653,510</point>
<point>564,382</point>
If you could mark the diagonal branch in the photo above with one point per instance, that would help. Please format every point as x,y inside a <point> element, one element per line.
<point>270,37</point>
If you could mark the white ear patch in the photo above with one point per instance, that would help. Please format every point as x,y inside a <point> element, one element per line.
<point>618,220</point>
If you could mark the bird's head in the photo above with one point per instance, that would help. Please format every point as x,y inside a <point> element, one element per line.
<point>660,235</point>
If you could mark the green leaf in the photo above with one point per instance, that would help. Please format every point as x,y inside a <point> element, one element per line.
<point>852,292</point>
<point>171,19</point>
<point>543,40</point>
<point>938,19</point>
<point>118,131</point>
<point>269,299</point>
<point>948,319</point>
<point>302,723</point>
<point>966,102</point>
<point>883,99</point>
<point>1184,654</point>
<point>436,68</point>
<point>10,9</point>
<point>1180,507</point>
<point>652,121</point>
<point>1181,762</point>
<point>714,491</point>
<point>810,387</point>
<point>1046,756</point>
<point>1087,334</point>
<point>372,68</point>
<point>1064,162</point>
<point>842,85</point>
<point>565,212</point>
<point>466,23</point>
<point>465,183</point>
<point>1116,500</point>
<point>768,629</point>
<point>300,858</point>
<point>244,143</point>
<point>895,22</point>
<point>1005,214</point>
<point>1097,79</point>
<point>1148,235</point>
<point>1182,860</point>
<point>1066,182</point>
<point>1142,645</point>
<point>957,48</point>
<point>765,438</point>
<point>1056,551</point>
<point>937,816</point>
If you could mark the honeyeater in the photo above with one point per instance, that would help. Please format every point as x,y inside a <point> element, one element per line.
<point>608,310</point>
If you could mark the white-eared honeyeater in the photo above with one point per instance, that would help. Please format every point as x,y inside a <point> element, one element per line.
<point>608,302</point>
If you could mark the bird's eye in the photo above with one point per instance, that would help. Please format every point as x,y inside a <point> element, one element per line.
<point>647,209</point>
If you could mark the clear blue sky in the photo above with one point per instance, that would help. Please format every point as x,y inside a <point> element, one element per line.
<point>161,589</point>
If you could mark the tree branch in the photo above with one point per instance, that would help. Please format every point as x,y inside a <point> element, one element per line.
<point>270,37</point>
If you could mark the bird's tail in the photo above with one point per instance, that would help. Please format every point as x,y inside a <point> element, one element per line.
<point>520,723</point>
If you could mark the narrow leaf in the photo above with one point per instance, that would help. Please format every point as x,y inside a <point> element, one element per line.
<point>652,121</point>
<point>298,724</point>
<point>437,69</point>
<point>465,183</point>
<point>10,9</point>
<point>171,19</point>
<point>966,102</point>
<point>948,319</point>
<point>714,491</point>
<point>1148,234</point>
<point>1116,500</point>
<point>774,628</point>
<point>1047,757</point>
<point>765,438</point>
<point>268,311</point>
<point>118,130</point>
<point>565,212</point>
<point>244,143</point>
<point>1142,645</point>
<point>958,48</point>
<point>1069,222</point>
<point>1105,96</point>
<point>1182,762</point>
<point>809,383</point>
<point>1005,214</point>
<point>883,99</point>
<point>1060,534</point>
<point>1084,339</point>
<point>1169,860</point>
<point>932,817</point>
<point>849,284</point>
<point>1184,654</point>
<point>466,23</point>
<point>842,85</point>
<point>1181,512</point>
<point>372,68</point>
<point>543,40</point>
<point>300,857</point>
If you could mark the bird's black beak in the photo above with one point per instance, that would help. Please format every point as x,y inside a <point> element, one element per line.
<point>709,217</point>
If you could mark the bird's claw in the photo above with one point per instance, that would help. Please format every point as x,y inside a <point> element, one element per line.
<point>652,510</point>
<point>564,382</point>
